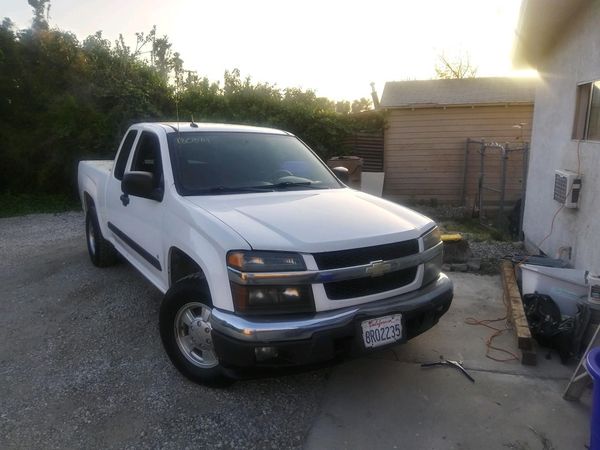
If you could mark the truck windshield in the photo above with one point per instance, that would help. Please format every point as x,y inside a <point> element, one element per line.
<point>211,163</point>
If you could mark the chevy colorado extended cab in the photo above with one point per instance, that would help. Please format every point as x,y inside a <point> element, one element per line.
<point>265,257</point>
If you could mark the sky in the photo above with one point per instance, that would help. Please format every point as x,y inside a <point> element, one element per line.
<point>336,48</point>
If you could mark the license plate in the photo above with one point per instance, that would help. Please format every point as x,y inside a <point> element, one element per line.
<point>382,330</point>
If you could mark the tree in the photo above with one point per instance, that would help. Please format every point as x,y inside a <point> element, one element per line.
<point>342,107</point>
<point>162,57</point>
<point>460,67</point>
<point>62,100</point>
<point>41,11</point>
<point>7,25</point>
<point>360,105</point>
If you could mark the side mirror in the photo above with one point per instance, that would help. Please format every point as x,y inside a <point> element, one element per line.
<point>342,173</point>
<point>140,184</point>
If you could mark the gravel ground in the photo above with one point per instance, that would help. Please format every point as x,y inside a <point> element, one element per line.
<point>482,242</point>
<point>81,363</point>
<point>491,252</point>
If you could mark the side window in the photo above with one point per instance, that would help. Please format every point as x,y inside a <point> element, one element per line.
<point>587,112</point>
<point>124,154</point>
<point>147,157</point>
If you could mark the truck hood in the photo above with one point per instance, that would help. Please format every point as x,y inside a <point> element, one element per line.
<point>314,221</point>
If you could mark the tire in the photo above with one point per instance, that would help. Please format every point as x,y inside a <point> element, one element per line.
<point>186,333</point>
<point>102,253</point>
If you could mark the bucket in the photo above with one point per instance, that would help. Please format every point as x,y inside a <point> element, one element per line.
<point>567,287</point>
<point>592,364</point>
<point>594,289</point>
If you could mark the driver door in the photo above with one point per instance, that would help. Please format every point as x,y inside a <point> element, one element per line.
<point>136,222</point>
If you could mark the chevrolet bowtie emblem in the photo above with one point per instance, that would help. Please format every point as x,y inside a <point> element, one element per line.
<point>377,268</point>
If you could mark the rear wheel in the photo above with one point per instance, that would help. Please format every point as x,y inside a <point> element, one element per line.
<point>102,253</point>
<point>186,332</point>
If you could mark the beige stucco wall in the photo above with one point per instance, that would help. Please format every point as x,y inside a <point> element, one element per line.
<point>575,59</point>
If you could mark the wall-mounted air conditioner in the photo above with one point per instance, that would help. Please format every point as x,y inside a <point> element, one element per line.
<point>567,187</point>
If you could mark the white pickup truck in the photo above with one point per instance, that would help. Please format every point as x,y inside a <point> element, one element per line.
<point>265,257</point>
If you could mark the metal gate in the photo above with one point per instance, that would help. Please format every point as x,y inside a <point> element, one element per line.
<point>491,201</point>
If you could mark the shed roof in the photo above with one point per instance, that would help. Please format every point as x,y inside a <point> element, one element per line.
<point>464,91</point>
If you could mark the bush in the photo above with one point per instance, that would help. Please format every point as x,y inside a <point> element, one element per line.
<point>62,101</point>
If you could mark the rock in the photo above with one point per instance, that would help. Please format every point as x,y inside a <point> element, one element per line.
<point>474,264</point>
<point>457,251</point>
<point>462,267</point>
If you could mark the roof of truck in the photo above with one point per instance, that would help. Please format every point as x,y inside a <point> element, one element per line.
<point>183,127</point>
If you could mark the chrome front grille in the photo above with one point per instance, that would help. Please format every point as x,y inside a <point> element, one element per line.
<point>359,287</point>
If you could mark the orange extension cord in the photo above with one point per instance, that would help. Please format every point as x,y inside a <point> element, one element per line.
<point>497,332</point>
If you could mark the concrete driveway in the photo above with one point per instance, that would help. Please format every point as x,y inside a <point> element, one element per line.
<point>81,366</point>
<point>388,401</point>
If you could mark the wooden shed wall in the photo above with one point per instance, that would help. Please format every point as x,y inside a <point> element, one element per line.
<point>369,147</point>
<point>424,150</point>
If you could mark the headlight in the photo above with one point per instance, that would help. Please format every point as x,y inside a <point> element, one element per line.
<point>257,261</point>
<point>432,238</point>
<point>272,299</point>
<point>260,299</point>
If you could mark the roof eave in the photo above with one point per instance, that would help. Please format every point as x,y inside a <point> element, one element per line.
<point>541,22</point>
<point>456,105</point>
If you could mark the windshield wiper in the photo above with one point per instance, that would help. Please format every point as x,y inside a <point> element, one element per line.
<point>232,189</point>
<point>287,184</point>
<point>262,187</point>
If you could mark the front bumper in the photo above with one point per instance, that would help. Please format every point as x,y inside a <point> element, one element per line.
<point>313,338</point>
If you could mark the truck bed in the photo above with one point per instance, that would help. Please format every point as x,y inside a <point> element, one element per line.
<point>92,177</point>
<point>102,166</point>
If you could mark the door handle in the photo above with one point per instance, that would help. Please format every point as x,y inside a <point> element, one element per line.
<point>124,199</point>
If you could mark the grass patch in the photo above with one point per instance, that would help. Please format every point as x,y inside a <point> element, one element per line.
<point>20,204</point>
<point>474,229</point>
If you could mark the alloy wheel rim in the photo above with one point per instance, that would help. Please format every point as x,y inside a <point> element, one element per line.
<point>193,334</point>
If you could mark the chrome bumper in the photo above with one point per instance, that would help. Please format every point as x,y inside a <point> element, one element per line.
<point>290,328</point>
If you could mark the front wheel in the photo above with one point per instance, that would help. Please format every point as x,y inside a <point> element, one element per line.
<point>187,334</point>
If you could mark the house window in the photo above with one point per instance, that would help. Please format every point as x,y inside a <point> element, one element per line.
<point>587,112</point>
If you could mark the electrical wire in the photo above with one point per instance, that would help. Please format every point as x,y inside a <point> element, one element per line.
<point>539,245</point>
<point>497,332</point>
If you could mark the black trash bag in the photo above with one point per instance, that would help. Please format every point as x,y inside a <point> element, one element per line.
<point>550,330</point>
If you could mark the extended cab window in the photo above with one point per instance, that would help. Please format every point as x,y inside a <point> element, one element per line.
<point>236,162</point>
<point>124,154</point>
<point>147,157</point>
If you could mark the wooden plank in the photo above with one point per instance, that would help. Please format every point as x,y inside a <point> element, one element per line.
<point>517,314</point>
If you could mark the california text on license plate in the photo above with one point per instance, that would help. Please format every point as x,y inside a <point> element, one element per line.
<point>382,330</point>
